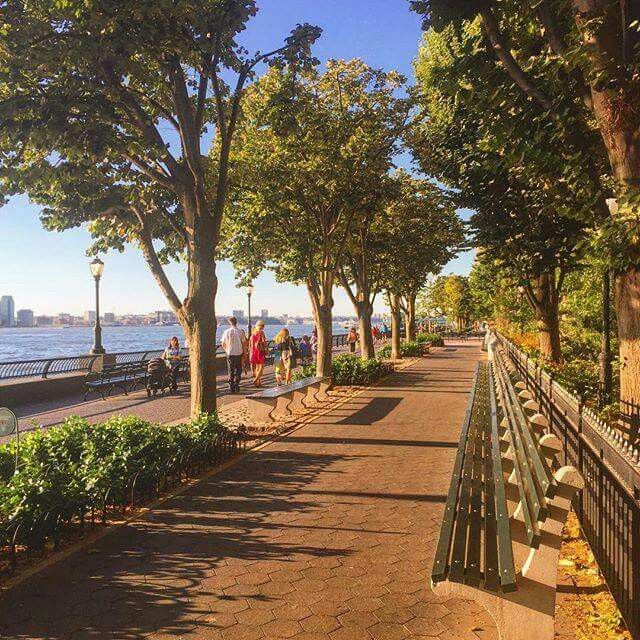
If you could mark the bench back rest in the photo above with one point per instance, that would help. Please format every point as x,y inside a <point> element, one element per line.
<point>532,470</point>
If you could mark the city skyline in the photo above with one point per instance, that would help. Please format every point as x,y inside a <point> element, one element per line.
<point>49,272</point>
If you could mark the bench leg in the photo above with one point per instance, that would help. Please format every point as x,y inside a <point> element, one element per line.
<point>321,394</point>
<point>282,408</point>
<point>529,612</point>
<point>261,409</point>
<point>297,401</point>
<point>311,398</point>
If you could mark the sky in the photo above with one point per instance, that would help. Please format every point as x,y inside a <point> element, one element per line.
<point>49,272</point>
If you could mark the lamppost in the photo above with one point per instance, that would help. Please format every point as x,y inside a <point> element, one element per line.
<point>97,267</point>
<point>250,290</point>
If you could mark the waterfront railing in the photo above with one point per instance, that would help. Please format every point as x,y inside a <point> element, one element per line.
<point>50,367</point>
<point>609,505</point>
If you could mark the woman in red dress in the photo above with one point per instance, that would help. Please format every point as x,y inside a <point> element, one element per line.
<point>258,349</point>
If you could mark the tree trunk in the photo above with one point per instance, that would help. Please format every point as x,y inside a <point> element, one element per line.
<point>614,106</point>
<point>395,327</point>
<point>628,313</point>
<point>410,318</point>
<point>606,378</point>
<point>324,325</point>
<point>545,306</point>
<point>367,349</point>
<point>320,294</point>
<point>198,319</point>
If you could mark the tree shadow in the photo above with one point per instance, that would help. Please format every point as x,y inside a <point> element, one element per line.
<point>373,411</point>
<point>152,573</point>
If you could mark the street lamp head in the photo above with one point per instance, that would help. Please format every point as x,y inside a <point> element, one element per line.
<point>250,290</point>
<point>97,267</point>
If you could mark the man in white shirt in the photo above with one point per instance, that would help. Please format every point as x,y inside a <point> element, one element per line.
<point>233,340</point>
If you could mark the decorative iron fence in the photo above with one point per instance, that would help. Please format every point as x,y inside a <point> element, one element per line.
<point>609,506</point>
<point>48,367</point>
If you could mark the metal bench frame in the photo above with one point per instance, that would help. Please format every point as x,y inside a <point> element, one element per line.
<point>507,505</point>
<point>285,400</point>
<point>125,376</point>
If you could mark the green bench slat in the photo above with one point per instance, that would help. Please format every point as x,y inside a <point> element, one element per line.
<point>528,502</point>
<point>472,566</point>
<point>457,563</point>
<point>441,562</point>
<point>538,480</point>
<point>497,529</point>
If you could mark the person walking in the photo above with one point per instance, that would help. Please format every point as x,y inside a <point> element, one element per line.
<point>352,339</point>
<point>305,351</point>
<point>173,359</point>
<point>258,349</point>
<point>284,356</point>
<point>232,343</point>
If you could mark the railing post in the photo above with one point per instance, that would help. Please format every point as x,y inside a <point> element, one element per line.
<point>45,370</point>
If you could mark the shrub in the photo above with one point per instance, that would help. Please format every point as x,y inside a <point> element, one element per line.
<point>77,468</point>
<point>434,339</point>
<point>348,369</point>
<point>407,350</point>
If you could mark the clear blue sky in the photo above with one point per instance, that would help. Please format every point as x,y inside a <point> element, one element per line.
<point>48,272</point>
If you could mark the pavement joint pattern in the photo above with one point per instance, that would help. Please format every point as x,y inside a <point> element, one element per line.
<point>327,533</point>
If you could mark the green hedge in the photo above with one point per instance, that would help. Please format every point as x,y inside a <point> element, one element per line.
<point>348,369</point>
<point>407,349</point>
<point>433,339</point>
<point>75,470</point>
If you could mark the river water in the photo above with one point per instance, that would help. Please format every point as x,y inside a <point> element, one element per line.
<point>49,342</point>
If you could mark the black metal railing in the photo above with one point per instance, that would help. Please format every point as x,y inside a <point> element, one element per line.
<point>48,367</point>
<point>609,506</point>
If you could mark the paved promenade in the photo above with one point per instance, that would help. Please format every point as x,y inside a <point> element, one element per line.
<point>162,408</point>
<point>326,534</point>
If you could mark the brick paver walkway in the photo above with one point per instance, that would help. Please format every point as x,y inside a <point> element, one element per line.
<point>328,533</point>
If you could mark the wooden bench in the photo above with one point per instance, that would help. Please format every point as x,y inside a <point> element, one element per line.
<point>507,505</point>
<point>270,404</point>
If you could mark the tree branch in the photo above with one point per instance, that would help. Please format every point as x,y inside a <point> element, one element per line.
<point>503,53</point>
<point>151,257</point>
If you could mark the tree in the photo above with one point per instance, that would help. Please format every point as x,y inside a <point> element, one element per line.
<point>533,205</point>
<point>414,234</point>
<point>314,148</point>
<point>596,41</point>
<point>419,233</point>
<point>87,92</point>
<point>451,294</point>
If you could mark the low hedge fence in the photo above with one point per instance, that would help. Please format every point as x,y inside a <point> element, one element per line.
<point>77,472</point>
<point>433,339</point>
<point>411,349</point>
<point>350,370</point>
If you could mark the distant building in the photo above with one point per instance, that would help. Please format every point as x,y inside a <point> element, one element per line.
<point>238,313</point>
<point>44,321</point>
<point>64,319</point>
<point>166,317</point>
<point>264,313</point>
<point>89,316</point>
<point>109,317</point>
<point>7,311</point>
<point>25,318</point>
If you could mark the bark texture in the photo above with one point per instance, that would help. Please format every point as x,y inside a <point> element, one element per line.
<point>628,310</point>
<point>395,327</point>
<point>367,349</point>
<point>544,297</point>
<point>410,317</point>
